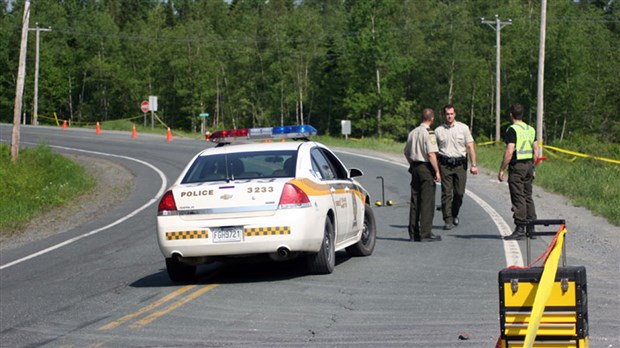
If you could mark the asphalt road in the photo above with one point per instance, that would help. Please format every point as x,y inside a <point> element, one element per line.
<point>106,286</point>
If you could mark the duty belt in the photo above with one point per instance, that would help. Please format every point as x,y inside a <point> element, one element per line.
<point>452,161</point>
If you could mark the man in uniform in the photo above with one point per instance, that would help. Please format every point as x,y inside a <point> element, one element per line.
<point>455,141</point>
<point>521,150</point>
<point>421,153</point>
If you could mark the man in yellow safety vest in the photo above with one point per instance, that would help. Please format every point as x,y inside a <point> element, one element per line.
<point>521,150</point>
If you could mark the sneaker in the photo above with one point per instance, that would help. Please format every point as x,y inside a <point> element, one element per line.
<point>448,226</point>
<point>456,221</point>
<point>518,234</point>
<point>432,238</point>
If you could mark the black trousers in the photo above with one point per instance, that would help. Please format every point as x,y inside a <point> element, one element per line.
<point>422,207</point>
<point>520,177</point>
<point>453,181</point>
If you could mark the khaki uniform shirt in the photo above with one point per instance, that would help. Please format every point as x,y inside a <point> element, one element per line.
<point>453,140</point>
<point>420,142</point>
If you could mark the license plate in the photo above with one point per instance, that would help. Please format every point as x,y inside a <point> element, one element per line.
<point>227,234</point>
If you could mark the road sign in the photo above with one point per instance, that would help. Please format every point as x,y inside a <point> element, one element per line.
<point>206,114</point>
<point>152,103</point>
<point>144,106</point>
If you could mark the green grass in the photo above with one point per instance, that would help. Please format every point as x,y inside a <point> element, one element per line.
<point>38,181</point>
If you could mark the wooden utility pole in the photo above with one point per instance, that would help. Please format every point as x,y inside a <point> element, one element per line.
<point>540,103</point>
<point>19,88</point>
<point>35,110</point>
<point>497,25</point>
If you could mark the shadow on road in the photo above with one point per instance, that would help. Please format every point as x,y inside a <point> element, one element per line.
<point>261,270</point>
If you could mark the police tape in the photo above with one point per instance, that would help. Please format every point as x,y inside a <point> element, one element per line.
<point>553,148</point>
<point>568,152</point>
<point>545,285</point>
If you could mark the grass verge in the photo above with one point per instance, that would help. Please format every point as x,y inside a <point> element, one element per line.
<point>38,181</point>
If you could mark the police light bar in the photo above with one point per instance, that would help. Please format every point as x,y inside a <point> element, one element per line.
<point>284,132</point>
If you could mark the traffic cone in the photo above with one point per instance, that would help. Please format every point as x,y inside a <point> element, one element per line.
<point>98,129</point>
<point>64,124</point>
<point>169,135</point>
<point>134,134</point>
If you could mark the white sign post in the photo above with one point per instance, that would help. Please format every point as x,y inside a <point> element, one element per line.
<point>152,109</point>
<point>346,128</point>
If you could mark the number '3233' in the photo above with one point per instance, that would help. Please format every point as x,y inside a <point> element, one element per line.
<point>260,189</point>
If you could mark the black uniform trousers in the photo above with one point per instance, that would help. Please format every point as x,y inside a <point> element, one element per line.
<point>422,205</point>
<point>520,177</point>
<point>453,180</point>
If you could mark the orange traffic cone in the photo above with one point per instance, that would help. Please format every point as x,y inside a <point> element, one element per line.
<point>134,134</point>
<point>98,129</point>
<point>169,135</point>
<point>64,124</point>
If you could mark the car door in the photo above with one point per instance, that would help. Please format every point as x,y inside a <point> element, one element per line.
<point>345,204</point>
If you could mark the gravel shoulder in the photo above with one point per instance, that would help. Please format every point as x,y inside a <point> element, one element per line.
<point>114,183</point>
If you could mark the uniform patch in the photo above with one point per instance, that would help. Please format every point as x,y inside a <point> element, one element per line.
<point>433,138</point>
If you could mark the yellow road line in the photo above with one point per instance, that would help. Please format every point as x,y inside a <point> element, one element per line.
<point>145,321</point>
<point>155,304</point>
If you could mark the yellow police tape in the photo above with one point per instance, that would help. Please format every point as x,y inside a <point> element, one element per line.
<point>581,154</point>
<point>553,148</point>
<point>544,289</point>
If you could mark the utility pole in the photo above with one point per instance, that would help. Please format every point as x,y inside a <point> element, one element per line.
<point>35,111</point>
<point>497,25</point>
<point>19,86</point>
<point>541,76</point>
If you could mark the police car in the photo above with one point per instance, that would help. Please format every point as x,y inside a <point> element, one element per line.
<point>271,196</point>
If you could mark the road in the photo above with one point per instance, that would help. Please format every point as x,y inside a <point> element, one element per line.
<point>104,284</point>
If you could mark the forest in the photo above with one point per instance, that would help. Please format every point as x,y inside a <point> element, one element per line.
<point>257,63</point>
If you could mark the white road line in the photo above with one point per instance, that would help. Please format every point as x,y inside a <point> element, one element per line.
<point>512,252</point>
<point>164,184</point>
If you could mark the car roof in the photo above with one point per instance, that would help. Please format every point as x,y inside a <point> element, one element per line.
<point>255,146</point>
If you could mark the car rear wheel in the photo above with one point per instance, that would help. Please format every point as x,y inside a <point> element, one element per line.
<point>324,261</point>
<point>366,244</point>
<point>178,271</point>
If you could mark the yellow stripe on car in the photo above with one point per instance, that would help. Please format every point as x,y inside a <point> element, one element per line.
<point>196,234</point>
<point>267,231</point>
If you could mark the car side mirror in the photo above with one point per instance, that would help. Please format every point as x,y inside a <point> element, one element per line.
<point>354,172</point>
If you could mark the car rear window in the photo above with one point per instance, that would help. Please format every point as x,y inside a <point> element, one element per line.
<point>239,166</point>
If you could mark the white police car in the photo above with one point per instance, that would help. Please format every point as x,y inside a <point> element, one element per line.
<point>273,197</point>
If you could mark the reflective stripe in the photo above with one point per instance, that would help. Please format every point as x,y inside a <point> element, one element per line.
<point>525,140</point>
<point>187,234</point>
<point>267,231</point>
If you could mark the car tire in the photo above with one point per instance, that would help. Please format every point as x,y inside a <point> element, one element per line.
<point>180,272</point>
<point>366,244</point>
<point>324,261</point>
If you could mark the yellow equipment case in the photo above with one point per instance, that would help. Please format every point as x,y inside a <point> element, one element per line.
<point>564,321</point>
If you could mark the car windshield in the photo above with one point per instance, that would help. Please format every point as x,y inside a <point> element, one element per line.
<point>239,166</point>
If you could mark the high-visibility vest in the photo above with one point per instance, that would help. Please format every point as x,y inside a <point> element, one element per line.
<point>525,140</point>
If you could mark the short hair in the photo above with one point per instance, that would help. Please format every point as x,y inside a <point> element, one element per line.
<point>516,110</point>
<point>428,114</point>
<point>448,106</point>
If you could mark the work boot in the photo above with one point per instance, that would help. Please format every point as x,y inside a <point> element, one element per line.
<point>431,238</point>
<point>448,226</point>
<point>518,234</point>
